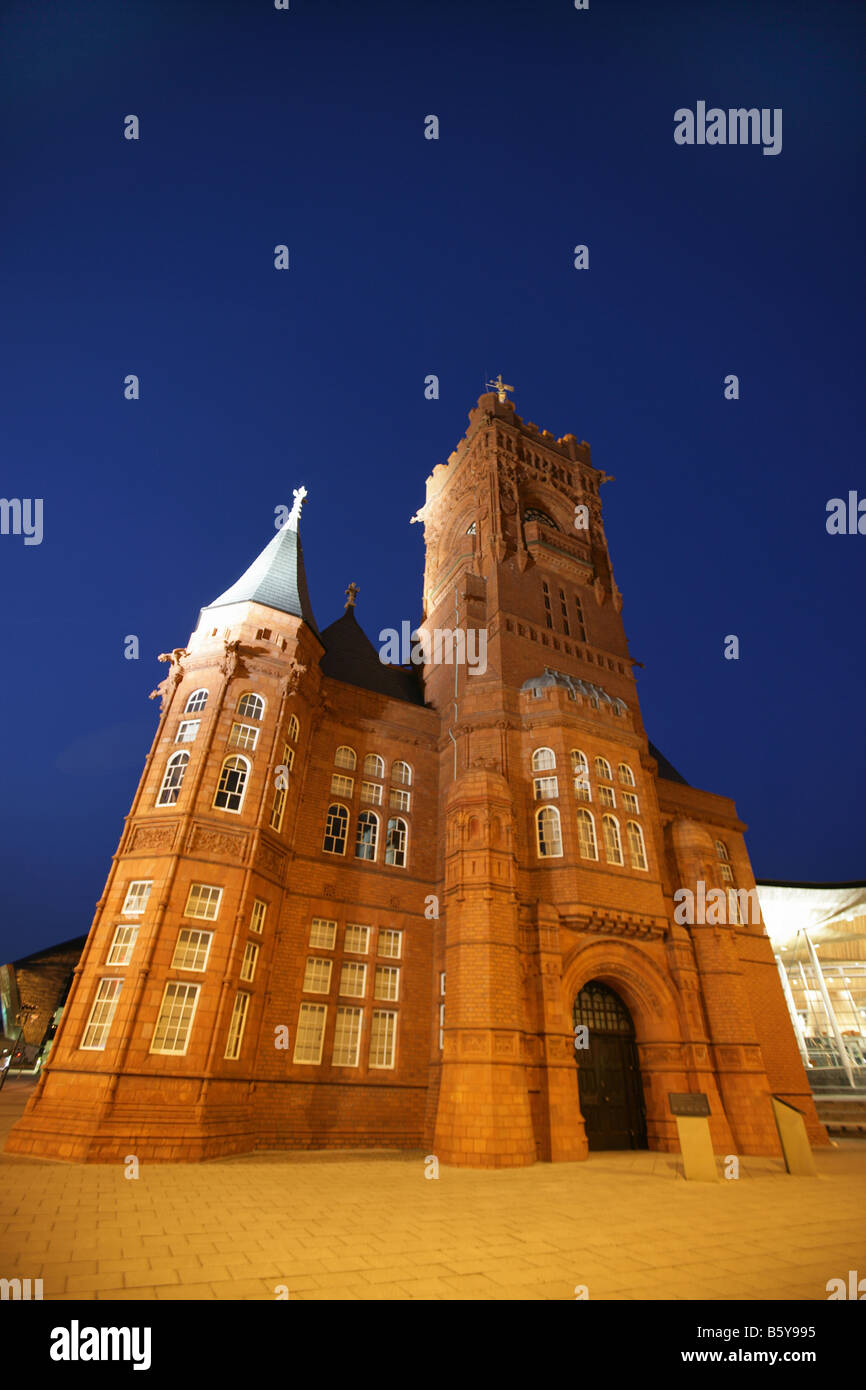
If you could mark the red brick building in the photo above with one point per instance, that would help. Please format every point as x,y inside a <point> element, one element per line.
<point>364,905</point>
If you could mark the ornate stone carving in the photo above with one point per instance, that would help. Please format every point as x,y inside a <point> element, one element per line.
<point>167,687</point>
<point>231,658</point>
<point>226,842</point>
<point>153,837</point>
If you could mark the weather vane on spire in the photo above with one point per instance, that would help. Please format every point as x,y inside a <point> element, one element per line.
<point>351,594</point>
<point>500,387</point>
<point>299,493</point>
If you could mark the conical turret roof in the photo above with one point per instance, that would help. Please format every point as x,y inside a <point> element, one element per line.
<point>277,577</point>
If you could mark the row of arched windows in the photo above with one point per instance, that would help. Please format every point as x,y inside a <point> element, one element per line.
<point>544,759</point>
<point>249,706</point>
<point>548,829</point>
<point>374,766</point>
<point>366,836</point>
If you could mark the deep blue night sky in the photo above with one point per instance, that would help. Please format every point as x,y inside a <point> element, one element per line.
<point>411,257</point>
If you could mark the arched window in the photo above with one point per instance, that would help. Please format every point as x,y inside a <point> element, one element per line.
<point>722,851</point>
<point>368,835</point>
<point>171,782</point>
<point>612,842</point>
<point>533,514</point>
<point>294,728</point>
<point>547,829</point>
<point>636,846</point>
<point>251,706</point>
<point>602,770</point>
<point>401,773</point>
<point>336,830</point>
<point>727,872</point>
<point>626,776</point>
<point>395,842</point>
<point>586,835</point>
<point>345,757</point>
<point>196,702</point>
<point>374,766</point>
<point>580,769</point>
<point>542,759</point>
<point>232,784</point>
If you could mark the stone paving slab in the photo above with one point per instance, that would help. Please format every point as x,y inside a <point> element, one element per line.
<point>362,1226</point>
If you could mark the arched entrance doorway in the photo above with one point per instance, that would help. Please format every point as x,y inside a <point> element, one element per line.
<point>608,1077</point>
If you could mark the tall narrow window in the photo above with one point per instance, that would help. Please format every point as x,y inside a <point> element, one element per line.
<point>310,1034</point>
<point>612,843</point>
<point>173,779</point>
<point>367,836</point>
<point>294,728</point>
<point>548,614</point>
<point>549,833</point>
<point>636,847</point>
<point>395,842</point>
<point>237,1025</point>
<point>98,1024</point>
<point>383,1038</point>
<point>232,784</point>
<point>387,983</point>
<point>347,1036</point>
<point>336,830</point>
<point>281,787</point>
<point>251,706</point>
<point>176,1014</point>
<point>248,964</point>
<point>563,606</point>
<point>257,920</point>
<point>581,626</point>
<point>580,769</point>
<point>586,835</point>
<point>353,979</point>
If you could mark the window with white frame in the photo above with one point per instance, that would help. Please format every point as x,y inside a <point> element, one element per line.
<point>543,759</point>
<point>367,835</point>
<point>586,841</point>
<point>607,796</point>
<point>122,945</point>
<point>323,933</point>
<point>357,939</point>
<point>374,766</point>
<point>395,842</point>
<point>341,785</point>
<point>248,964</point>
<point>722,851</point>
<point>347,1036</point>
<point>390,944</point>
<point>203,901</point>
<point>371,792</point>
<point>192,949</point>
<point>548,833</point>
<point>345,757</point>
<point>136,898</point>
<point>187,730</point>
<point>612,842</point>
<point>281,787</point>
<point>387,983</point>
<point>317,975</point>
<point>636,847</point>
<point>602,770</point>
<point>232,784</point>
<point>401,774</point>
<point>196,702</point>
<point>353,979</point>
<point>545,787</point>
<point>311,1034</point>
<point>237,1025</point>
<point>630,802</point>
<point>251,706</point>
<point>176,1014</point>
<point>383,1038</point>
<point>243,736</point>
<point>257,918</point>
<point>441,981</point>
<point>626,776</point>
<point>175,769</point>
<point>96,1030</point>
<point>336,830</point>
<point>294,728</point>
<point>399,800</point>
<point>441,1026</point>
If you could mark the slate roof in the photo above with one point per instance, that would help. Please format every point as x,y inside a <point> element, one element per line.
<point>666,769</point>
<point>351,657</point>
<point>276,578</point>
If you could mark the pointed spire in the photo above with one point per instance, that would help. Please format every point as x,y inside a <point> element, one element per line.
<point>277,578</point>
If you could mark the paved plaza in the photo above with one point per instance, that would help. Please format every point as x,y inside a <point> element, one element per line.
<point>371,1226</point>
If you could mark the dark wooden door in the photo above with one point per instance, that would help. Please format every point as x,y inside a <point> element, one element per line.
<point>611,1093</point>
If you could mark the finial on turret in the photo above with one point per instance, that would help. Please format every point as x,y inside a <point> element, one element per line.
<point>294,516</point>
<point>351,594</point>
<point>500,388</point>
